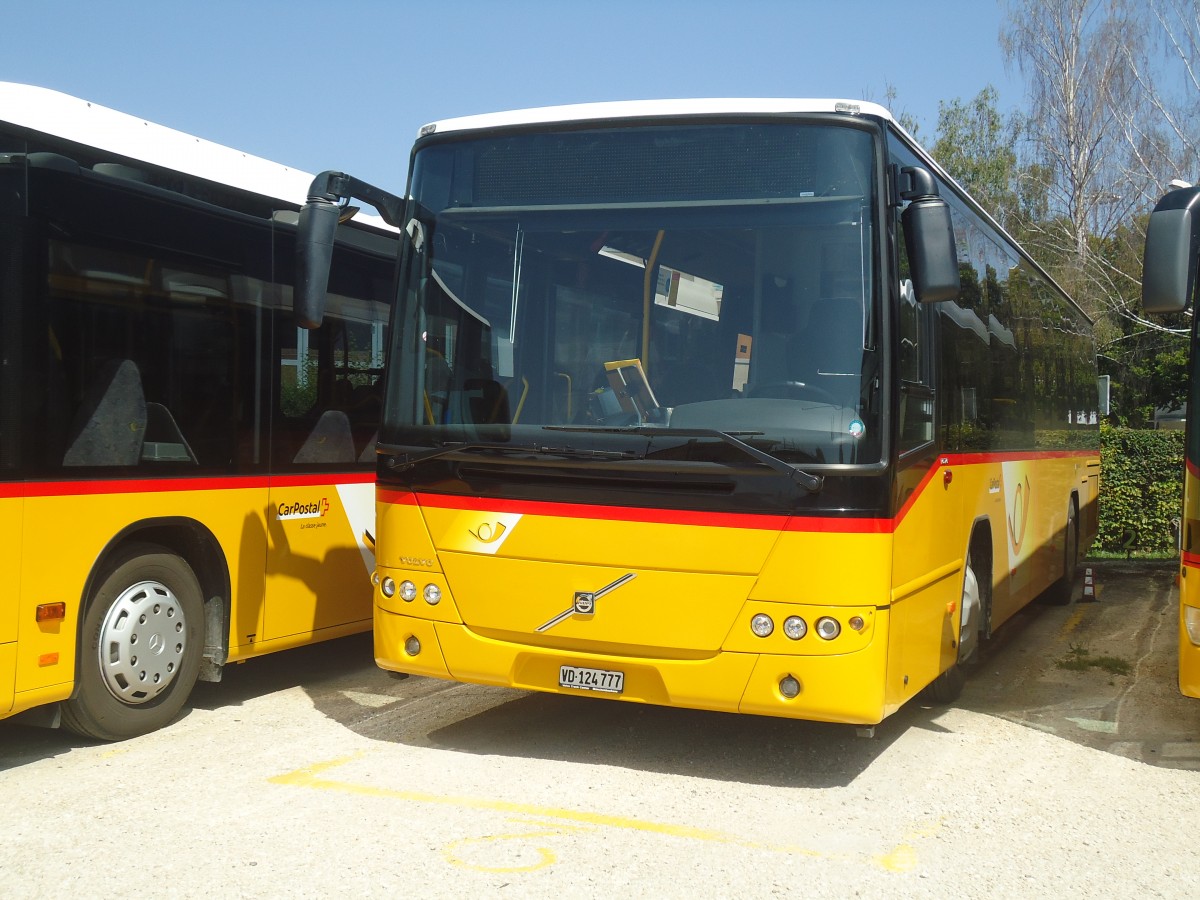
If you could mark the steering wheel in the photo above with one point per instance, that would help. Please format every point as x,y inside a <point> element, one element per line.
<point>792,390</point>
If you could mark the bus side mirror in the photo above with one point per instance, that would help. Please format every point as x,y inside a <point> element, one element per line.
<point>1172,248</point>
<point>314,256</point>
<point>929,238</point>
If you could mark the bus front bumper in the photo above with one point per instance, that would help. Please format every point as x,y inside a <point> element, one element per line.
<point>846,688</point>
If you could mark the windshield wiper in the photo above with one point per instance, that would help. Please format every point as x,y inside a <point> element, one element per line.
<point>537,449</point>
<point>810,482</point>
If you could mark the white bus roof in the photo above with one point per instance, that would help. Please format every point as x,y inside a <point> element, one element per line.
<point>644,109</point>
<point>64,116</point>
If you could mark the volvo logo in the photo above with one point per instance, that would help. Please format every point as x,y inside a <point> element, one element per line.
<point>585,602</point>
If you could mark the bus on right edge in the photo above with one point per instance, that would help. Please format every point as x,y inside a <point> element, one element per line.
<point>1168,284</point>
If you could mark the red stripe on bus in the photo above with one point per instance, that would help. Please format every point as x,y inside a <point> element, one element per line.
<point>783,521</point>
<point>164,485</point>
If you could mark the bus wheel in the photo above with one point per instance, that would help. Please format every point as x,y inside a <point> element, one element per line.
<point>947,687</point>
<point>141,647</point>
<point>1059,593</point>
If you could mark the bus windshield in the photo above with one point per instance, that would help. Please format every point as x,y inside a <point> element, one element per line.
<point>680,277</point>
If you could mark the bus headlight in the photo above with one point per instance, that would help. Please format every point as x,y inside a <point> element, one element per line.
<point>828,628</point>
<point>412,646</point>
<point>762,625</point>
<point>795,627</point>
<point>408,591</point>
<point>388,587</point>
<point>432,594</point>
<point>1191,621</point>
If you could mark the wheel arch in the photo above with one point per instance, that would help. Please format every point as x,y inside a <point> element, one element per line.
<point>193,542</point>
<point>981,552</point>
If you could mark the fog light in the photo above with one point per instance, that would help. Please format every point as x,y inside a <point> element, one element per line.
<point>795,627</point>
<point>432,594</point>
<point>762,625</point>
<point>412,646</point>
<point>789,686</point>
<point>828,628</point>
<point>408,591</point>
<point>856,622</point>
<point>388,587</point>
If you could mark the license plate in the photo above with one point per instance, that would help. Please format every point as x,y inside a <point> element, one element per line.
<point>581,679</point>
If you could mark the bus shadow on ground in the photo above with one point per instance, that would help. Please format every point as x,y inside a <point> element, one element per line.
<point>1139,716</point>
<point>719,746</point>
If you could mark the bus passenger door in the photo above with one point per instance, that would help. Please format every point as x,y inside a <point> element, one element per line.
<point>322,488</point>
<point>928,544</point>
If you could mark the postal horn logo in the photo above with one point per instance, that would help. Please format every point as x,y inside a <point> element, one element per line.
<point>1018,519</point>
<point>487,533</point>
<point>305,509</point>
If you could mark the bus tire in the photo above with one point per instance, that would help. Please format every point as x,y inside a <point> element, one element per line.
<point>948,686</point>
<point>1059,593</point>
<point>142,640</point>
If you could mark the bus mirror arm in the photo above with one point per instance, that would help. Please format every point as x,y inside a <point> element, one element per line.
<point>929,238</point>
<point>1172,252</point>
<point>317,230</point>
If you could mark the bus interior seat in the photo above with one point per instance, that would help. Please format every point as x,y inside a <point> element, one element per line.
<point>330,441</point>
<point>164,441</point>
<point>110,425</point>
<point>368,453</point>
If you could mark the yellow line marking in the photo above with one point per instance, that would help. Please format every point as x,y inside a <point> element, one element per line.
<point>310,777</point>
<point>1072,623</point>
<point>546,857</point>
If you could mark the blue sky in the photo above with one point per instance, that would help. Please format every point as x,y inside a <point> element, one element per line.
<point>345,84</point>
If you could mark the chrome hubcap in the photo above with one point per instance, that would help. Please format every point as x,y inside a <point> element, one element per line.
<point>142,642</point>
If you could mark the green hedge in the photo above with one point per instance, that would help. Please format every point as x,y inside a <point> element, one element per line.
<point>1141,489</point>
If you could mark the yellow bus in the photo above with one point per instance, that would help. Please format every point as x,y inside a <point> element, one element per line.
<point>1169,286</point>
<point>185,475</point>
<point>733,405</point>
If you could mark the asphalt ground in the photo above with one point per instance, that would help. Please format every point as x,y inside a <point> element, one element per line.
<point>312,773</point>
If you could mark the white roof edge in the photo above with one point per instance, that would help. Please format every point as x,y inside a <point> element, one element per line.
<point>61,115</point>
<point>635,109</point>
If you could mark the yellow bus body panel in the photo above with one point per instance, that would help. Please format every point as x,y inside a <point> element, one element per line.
<point>305,583</point>
<point>675,593</point>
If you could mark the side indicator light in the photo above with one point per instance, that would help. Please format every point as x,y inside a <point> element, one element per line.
<point>51,612</point>
<point>48,659</point>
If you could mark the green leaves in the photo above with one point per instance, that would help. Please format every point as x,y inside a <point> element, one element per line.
<point>1141,489</point>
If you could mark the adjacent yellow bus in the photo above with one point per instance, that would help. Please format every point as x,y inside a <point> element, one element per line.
<point>732,405</point>
<point>1169,286</point>
<point>185,475</point>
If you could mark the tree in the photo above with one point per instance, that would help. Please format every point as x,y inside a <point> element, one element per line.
<point>1079,79</point>
<point>1111,88</point>
<point>1163,132</point>
<point>977,145</point>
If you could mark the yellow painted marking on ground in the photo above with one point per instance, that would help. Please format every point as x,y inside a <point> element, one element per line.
<point>1072,623</point>
<point>546,856</point>
<point>901,859</point>
<point>310,777</point>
